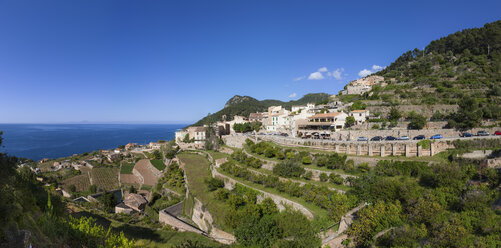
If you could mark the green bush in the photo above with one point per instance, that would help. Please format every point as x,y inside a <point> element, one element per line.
<point>363,167</point>
<point>214,183</point>
<point>221,194</point>
<point>306,160</point>
<point>336,179</point>
<point>308,175</point>
<point>323,177</point>
<point>288,168</point>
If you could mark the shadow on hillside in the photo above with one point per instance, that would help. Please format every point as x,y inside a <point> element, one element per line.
<point>130,231</point>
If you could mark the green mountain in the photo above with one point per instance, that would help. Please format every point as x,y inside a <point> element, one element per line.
<point>466,63</point>
<point>244,105</point>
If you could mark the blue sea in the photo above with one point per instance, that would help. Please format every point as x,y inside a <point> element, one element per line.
<point>37,141</point>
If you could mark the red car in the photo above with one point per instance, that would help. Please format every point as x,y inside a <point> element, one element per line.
<point>497,133</point>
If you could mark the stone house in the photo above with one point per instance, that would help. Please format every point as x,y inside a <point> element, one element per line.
<point>135,201</point>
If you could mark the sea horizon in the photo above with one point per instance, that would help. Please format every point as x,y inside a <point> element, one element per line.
<point>50,140</point>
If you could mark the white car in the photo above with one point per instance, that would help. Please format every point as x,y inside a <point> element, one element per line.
<point>362,139</point>
<point>403,138</point>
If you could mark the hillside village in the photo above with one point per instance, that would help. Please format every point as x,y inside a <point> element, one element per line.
<point>341,120</point>
<point>308,121</point>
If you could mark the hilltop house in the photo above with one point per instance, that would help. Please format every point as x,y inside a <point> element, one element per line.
<point>360,86</point>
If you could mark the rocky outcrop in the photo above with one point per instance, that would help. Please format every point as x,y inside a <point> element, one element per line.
<point>238,99</point>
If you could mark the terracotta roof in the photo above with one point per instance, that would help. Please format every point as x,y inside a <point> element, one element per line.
<point>196,129</point>
<point>255,115</point>
<point>358,111</point>
<point>326,115</point>
<point>134,200</point>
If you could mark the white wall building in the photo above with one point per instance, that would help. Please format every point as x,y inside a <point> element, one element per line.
<point>360,115</point>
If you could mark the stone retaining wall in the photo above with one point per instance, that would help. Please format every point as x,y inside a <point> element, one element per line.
<point>168,219</point>
<point>234,140</point>
<point>426,110</point>
<point>382,149</point>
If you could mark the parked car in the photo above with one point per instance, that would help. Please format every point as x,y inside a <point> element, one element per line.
<point>419,137</point>
<point>377,138</point>
<point>482,133</point>
<point>390,138</point>
<point>403,138</point>
<point>436,136</point>
<point>497,133</point>
<point>362,139</point>
<point>466,134</point>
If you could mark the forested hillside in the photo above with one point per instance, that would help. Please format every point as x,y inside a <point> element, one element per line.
<point>466,63</point>
<point>244,105</point>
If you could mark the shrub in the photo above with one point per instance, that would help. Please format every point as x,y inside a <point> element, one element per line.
<point>306,160</point>
<point>269,152</point>
<point>288,168</point>
<point>221,194</point>
<point>308,175</point>
<point>336,179</point>
<point>235,201</point>
<point>349,165</point>
<point>363,167</point>
<point>323,177</point>
<point>322,161</point>
<point>214,183</point>
<point>279,155</point>
<point>290,155</point>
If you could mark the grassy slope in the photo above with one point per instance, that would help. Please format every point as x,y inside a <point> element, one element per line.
<point>158,164</point>
<point>197,170</point>
<point>126,168</point>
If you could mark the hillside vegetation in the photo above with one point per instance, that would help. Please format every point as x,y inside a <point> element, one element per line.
<point>466,63</point>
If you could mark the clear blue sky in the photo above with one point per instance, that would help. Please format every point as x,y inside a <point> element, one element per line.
<point>176,61</point>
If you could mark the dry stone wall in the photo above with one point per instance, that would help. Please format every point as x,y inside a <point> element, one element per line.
<point>426,110</point>
<point>168,219</point>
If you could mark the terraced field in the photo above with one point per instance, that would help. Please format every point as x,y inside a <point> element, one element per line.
<point>105,178</point>
<point>159,164</point>
<point>197,170</point>
<point>81,182</point>
<point>126,168</point>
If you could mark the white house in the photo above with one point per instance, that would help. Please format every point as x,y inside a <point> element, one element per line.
<point>360,115</point>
